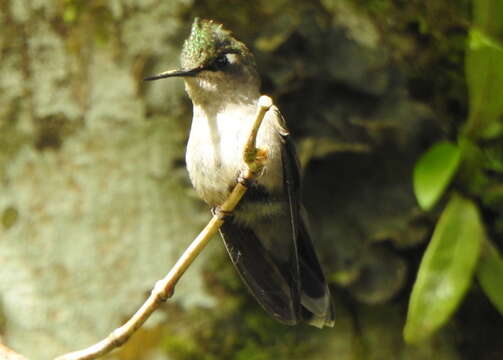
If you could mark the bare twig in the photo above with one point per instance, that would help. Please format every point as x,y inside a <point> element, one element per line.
<point>164,288</point>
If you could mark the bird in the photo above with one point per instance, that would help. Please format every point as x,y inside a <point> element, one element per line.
<point>267,236</point>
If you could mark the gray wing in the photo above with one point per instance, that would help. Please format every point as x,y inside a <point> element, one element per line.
<point>317,305</point>
<point>275,257</point>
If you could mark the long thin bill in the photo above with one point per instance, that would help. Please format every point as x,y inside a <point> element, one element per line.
<point>173,73</point>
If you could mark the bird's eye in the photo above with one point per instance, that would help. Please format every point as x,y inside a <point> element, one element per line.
<point>221,62</point>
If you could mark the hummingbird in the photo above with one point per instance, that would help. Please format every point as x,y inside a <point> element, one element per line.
<point>267,236</point>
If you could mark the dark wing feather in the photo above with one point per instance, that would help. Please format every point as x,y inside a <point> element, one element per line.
<point>317,305</point>
<point>259,271</point>
<point>274,256</point>
<point>291,183</point>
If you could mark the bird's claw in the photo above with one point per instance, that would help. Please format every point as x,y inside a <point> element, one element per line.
<point>255,160</point>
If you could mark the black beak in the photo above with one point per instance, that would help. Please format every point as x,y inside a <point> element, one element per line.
<point>173,73</point>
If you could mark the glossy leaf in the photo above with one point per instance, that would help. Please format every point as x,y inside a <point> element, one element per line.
<point>446,270</point>
<point>490,275</point>
<point>434,171</point>
<point>484,69</point>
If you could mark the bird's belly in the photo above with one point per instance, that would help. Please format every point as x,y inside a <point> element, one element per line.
<point>212,172</point>
<point>215,156</point>
<point>214,177</point>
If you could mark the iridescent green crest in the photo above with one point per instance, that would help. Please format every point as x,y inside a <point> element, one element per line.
<point>207,40</point>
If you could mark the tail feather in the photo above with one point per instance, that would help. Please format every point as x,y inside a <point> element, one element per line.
<point>258,253</point>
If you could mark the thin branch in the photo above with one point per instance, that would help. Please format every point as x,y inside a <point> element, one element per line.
<point>164,288</point>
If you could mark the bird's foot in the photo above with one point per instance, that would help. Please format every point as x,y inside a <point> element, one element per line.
<point>255,160</point>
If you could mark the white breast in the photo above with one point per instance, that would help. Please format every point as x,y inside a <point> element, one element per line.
<point>215,151</point>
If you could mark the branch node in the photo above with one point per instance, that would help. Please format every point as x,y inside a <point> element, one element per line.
<point>117,337</point>
<point>162,290</point>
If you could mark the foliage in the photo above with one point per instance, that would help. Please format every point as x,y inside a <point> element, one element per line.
<point>447,268</point>
<point>452,256</point>
<point>484,71</point>
<point>490,273</point>
<point>434,171</point>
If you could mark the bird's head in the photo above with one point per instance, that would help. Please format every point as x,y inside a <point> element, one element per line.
<point>213,62</point>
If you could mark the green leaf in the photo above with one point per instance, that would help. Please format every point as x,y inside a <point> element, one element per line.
<point>434,171</point>
<point>490,275</point>
<point>484,70</point>
<point>478,40</point>
<point>446,270</point>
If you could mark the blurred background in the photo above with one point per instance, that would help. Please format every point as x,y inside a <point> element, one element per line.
<point>96,205</point>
